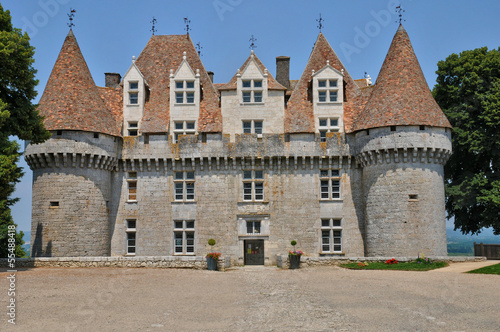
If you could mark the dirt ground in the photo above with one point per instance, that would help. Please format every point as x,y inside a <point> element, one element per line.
<point>251,299</point>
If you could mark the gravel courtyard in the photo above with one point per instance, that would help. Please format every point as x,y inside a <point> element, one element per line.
<point>252,299</point>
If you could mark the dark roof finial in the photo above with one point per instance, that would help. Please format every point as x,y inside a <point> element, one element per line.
<point>400,10</point>
<point>71,15</point>
<point>187,22</point>
<point>320,22</point>
<point>252,45</point>
<point>153,29</point>
<point>199,48</point>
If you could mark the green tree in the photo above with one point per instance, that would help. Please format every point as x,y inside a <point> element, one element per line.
<point>468,91</point>
<point>18,117</point>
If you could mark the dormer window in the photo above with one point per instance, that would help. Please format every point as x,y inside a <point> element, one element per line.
<point>327,91</point>
<point>132,128</point>
<point>133,85</point>
<point>252,127</point>
<point>183,128</point>
<point>133,94</point>
<point>252,91</point>
<point>184,92</point>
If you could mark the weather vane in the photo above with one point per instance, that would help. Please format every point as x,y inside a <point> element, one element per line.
<point>153,22</point>
<point>199,47</point>
<point>187,22</point>
<point>71,15</point>
<point>400,10</point>
<point>320,22</point>
<point>252,45</point>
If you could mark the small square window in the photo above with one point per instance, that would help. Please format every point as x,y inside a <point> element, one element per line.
<point>247,84</point>
<point>257,84</point>
<point>333,83</point>
<point>54,204</point>
<point>189,125</point>
<point>179,125</point>
<point>325,222</point>
<point>189,224</point>
<point>247,97</point>
<point>393,128</point>
<point>132,132</point>
<point>257,97</point>
<point>336,223</point>
<point>259,174</point>
<point>322,96</point>
<point>179,85</point>
<point>134,85</point>
<point>189,84</point>
<point>322,84</point>
<point>131,223</point>
<point>247,174</point>
<point>133,98</point>
<point>189,175</point>
<point>322,122</point>
<point>179,175</point>
<point>132,124</point>
<point>334,122</point>
<point>96,135</point>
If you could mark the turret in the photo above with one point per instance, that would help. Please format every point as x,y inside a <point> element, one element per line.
<point>72,170</point>
<point>403,140</point>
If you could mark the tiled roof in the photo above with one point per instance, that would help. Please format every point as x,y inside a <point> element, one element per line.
<point>161,54</point>
<point>272,84</point>
<point>113,98</point>
<point>401,95</point>
<point>299,113</point>
<point>71,100</point>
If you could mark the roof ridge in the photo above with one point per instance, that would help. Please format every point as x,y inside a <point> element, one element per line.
<point>401,95</point>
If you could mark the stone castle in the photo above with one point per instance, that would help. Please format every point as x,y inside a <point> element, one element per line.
<point>162,160</point>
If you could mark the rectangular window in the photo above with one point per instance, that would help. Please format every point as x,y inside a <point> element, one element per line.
<point>253,227</point>
<point>133,85</point>
<point>331,235</point>
<point>329,184</point>
<point>257,96</point>
<point>253,185</point>
<point>179,97</point>
<point>247,97</point>
<point>247,83</point>
<point>253,126</point>
<point>132,186</point>
<point>179,84</point>
<point>189,84</point>
<point>133,98</point>
<point>327,91</point>
<point>257,83</point>
<point>190,97</point>
<point>184,185</point>
<point>327,125</point>
<point>132,128</point>
<point>131,236</point>
<point>184,237</point>
<point>183,128</point>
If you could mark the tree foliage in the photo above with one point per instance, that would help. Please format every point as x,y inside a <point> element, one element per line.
<point>18,116</point>
<point>468,91</point>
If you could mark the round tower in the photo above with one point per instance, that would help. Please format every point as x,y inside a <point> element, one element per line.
<point>72,170</point>
<point>403,140</point>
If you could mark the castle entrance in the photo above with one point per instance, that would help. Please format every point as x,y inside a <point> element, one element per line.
<point>254,252</point>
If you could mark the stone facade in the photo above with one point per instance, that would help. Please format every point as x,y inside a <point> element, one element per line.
<point>198,160</point>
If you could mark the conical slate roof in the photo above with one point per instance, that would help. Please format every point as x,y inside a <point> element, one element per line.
<point>161,54</point>
<point>401,96</point>
<point>71,100</point>
<point>299,114</point>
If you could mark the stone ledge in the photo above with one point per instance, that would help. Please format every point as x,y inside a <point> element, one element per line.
<point>190,262</point>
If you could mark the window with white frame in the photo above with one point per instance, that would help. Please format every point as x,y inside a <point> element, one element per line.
<point>253,185</point>
<point>133,127</point>
<point>331,235</point>
<point>330,184</point>
<point>184,185</point>
<point>252,126</point>
<point>184,92</point>
<point>253,226</point>
<point>327,125</point>
<point>184,237</point>
<point>251,91</point>
<point>132,186</point>
<point>328,91</point>
<point>133,94</point>
<point>183,128</point>
<point>131,236</point>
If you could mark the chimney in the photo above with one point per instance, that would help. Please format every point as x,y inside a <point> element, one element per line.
<point>112,80</point>
<point>211,75</point>
<point>283,71</point>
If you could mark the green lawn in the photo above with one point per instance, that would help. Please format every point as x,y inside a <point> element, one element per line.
<point>410,266</point>
<point>492,269</point>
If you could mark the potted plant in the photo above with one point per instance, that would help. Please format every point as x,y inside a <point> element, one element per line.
<point>212,257</point>
<point>294,256</point>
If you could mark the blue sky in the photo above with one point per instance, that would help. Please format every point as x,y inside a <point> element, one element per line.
<point>360,31</point>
